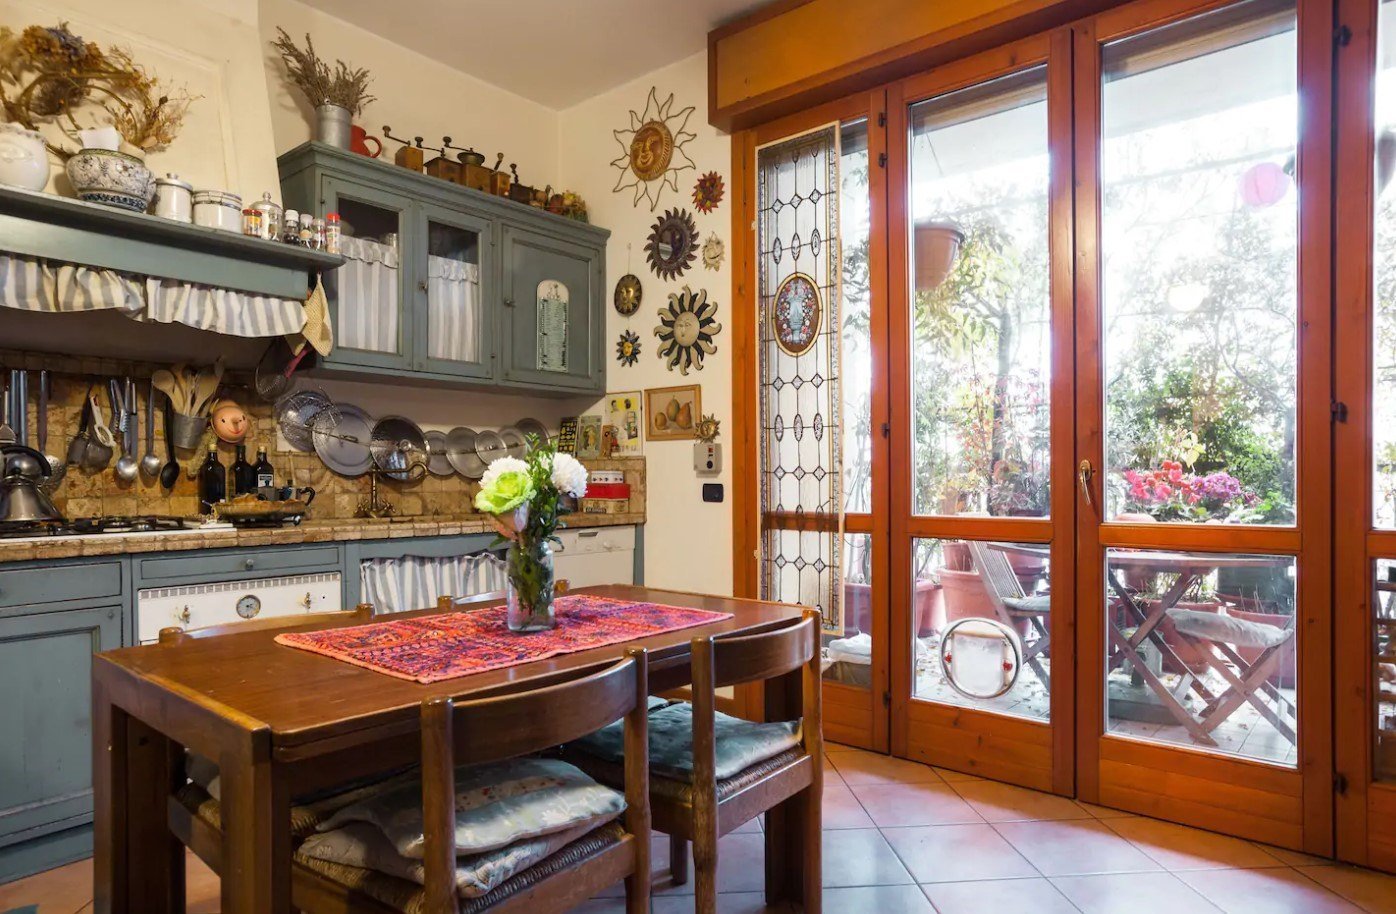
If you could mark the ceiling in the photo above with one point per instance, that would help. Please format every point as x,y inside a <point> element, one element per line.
<point>554,52</point>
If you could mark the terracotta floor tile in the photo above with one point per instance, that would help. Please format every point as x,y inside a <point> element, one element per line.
<point>1178,847</point>
<point>879,899</point>
<point>1292,858</point>
<point>1075,848</point>
<point>859,767</point>
<point>950,777</point>
<point>998,802</point>
<point>1104,812</point>
<point>1036,896</point>
<point>904,805</point>
<point>741,866</point>
<point>841,808</point>
<point>955,853</point>
<point>860,857</point>
<point>59,891</point>
<point>1267,891</point>
<point>729,903</point>
<point>750,826</point>
<point>1132,893</point>
<point>1369,890</point>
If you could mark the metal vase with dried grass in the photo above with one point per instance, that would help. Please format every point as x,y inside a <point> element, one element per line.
<point>336,94</point>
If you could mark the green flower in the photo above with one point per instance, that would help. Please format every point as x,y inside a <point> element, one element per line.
<point>505,492</point>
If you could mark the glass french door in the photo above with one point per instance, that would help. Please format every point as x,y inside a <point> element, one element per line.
<point>1203,417</point>
<point>981,541</point>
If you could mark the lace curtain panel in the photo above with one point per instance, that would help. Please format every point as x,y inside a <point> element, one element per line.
<point>453,309</point>
<point>799,346</point>
<point>368,319</point>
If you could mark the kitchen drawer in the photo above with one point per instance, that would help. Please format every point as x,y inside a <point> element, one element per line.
<point>237,563</point>
<point>595,541</point>
<point>59,584</point>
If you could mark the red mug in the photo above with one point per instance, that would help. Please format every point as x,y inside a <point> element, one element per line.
<point>359,140</point>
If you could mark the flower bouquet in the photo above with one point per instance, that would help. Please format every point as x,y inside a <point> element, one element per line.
<point>524,499</point>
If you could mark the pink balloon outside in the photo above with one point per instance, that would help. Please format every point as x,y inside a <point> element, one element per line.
<point>1264,185</point>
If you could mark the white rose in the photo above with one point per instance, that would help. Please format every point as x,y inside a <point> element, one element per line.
<point>569,476</point>
<point>501,465</point>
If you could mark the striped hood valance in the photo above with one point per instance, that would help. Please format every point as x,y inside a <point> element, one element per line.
<point>34,284</point>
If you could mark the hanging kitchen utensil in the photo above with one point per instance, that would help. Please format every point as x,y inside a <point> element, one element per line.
<point>19,406</point>
<point>438,463</point>
<point>460,451</point>
<point>515,443</point>
<point>58,468</point>
<point>169,473</point>
<point>269,378</point>
<point>489,446</point>
<point>342,437</point>
<point>295,417</point>
<point>7,431</point>
<point>531,428</point>
<point>397,444</point>
<point>99,448</point>
<point>150,463</point>
<point>126,466</point>
<point>205,385</point>
<point>164,381</point>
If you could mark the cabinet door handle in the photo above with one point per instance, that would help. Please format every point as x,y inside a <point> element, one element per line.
<point>508,303</point>
<point>422,284</point>
<point>249,564</point>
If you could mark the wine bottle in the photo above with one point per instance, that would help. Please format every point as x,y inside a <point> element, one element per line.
<point>213,482</point>
<point>244,475</point>
<point>266,476</point>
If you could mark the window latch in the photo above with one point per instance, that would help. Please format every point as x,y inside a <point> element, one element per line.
<point>1340,411</point>
<point>886,429</point>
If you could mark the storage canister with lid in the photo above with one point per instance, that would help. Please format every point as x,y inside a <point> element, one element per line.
<point>218,209</point>
<point>271,216</point>
<point>174,198</point>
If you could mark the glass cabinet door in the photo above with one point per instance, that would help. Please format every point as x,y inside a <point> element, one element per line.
<point>368,291</point>
<point>551,291</point>
<point>454,293</point>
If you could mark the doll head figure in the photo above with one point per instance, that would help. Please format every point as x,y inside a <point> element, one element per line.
<point>229,421</point>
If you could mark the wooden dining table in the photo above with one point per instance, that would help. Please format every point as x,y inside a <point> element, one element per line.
<point>282,722</point>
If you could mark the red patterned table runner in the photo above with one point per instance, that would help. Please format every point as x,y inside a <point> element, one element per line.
<point>437,647</point>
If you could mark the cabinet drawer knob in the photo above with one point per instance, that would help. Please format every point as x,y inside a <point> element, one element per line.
<point>249,564</point>
<point>508,303</point>
<point>422,284</point>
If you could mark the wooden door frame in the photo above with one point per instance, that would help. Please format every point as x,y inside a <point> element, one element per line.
<point>853,716</point>
<point>1033,753</point>
<point>1178,783</point>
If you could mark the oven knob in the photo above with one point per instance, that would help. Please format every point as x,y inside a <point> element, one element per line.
<point>249,606</point>
<point>182,616</point>
<point>307,602</point>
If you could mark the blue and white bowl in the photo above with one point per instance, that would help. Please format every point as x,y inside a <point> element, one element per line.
<point>111,178</point>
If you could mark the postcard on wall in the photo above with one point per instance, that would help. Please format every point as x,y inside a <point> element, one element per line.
<point>588,437</point>
<point>673,412</point>
<point>567,436</point>
<point>625,412</point>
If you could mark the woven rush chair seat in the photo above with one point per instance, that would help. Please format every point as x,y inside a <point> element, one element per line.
<point>681,791</point>
<point>410,897</point>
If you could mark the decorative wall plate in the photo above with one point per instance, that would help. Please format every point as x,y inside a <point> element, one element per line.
<point>796,314</point>
<point>707,193</point>
<point>652,150</point>
<point>672,242</point>
<point>686,329</point>
<point>628,294</point>
<point>628,348</point>
<point>713,252</point>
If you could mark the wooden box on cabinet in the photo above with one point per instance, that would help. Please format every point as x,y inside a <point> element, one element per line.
<point>440,284</point>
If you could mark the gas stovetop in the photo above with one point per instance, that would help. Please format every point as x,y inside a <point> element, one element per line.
<point>91,526</point>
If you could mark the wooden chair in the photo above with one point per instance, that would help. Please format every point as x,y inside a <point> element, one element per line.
<point>490,730</point>
<point>705,809</point>
<point>1014,606</point>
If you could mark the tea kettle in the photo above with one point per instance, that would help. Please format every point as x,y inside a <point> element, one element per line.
<point>23,471</point>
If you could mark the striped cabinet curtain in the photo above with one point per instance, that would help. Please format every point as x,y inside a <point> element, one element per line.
<point>799,347</point>
<point>453,309</point>
<point>366,287</point>
<point>416,581</point>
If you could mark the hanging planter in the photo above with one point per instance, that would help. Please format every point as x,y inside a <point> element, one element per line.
<point>937,246</point>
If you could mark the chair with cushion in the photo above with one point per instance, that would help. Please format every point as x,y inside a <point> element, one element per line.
<point>507,832</point>
<point>1016,608</point>
<point>710,773</point>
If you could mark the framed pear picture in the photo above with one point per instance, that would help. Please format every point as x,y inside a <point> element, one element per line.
<point>672,413</point>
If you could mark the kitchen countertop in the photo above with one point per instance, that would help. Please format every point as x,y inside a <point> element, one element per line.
<point>311,531</point>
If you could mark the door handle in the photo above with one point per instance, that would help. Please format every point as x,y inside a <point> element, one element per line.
<point>1084,473</point>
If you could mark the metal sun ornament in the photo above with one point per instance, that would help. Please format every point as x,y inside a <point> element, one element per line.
<point>628,348</point>
<point>672,243</point>
<point>686,330</point>
<point>713,252</point>
<point>652,150</point>
<point>707,193</point>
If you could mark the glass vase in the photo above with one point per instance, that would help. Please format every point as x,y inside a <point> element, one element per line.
<point>530,589</point>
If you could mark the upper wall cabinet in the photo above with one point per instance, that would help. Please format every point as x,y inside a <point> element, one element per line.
<point>445,285</point>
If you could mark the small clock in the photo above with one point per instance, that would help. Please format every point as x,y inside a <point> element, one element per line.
<point>249,606</point>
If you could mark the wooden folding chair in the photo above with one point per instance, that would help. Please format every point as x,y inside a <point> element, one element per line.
<point>1015,606</point>
<point>1248,683</point>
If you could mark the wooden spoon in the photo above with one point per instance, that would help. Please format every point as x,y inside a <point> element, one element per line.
<point>165,382</point>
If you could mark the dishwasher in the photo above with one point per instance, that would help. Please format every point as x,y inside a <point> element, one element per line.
<point>595,555</point>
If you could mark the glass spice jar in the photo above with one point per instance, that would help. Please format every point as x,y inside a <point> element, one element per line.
<point>317,234</point>
<point>306,229</point>
<point>252,222</point>
<point>291,233</point>
<point>332,233</point>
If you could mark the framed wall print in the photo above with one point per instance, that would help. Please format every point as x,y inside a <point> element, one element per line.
<point>588,437</point>
<point>672,412</point>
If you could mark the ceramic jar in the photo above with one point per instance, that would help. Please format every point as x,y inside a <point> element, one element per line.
<point>174,199</point>
<point>218,209</point>
<point>23,158</point>
<point>111,178</point>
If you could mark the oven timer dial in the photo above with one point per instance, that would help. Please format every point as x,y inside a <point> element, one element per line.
<point>249,606</point>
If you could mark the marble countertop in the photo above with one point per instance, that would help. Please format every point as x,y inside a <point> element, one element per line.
<point>311,531</point>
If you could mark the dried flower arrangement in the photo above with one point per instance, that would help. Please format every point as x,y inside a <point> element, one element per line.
<point>342,86</point>
<point>50,75</point>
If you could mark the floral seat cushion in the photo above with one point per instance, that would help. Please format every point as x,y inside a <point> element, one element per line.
<point>740,743</point>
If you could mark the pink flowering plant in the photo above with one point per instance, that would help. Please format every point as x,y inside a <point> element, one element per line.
<point>1171,493</point>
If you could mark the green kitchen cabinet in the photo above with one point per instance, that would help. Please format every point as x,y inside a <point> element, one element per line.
<point>447,286</point>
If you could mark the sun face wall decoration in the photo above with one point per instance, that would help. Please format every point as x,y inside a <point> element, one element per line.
<point>628,348</point>
<point>686,330</point>
<point>672,244</point>
<point>707,193</point>
<point>713,252</point>
<point>652,150</point>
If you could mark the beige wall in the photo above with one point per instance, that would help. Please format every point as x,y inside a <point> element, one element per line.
<point>416,96</point>
<point>688,543</point>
